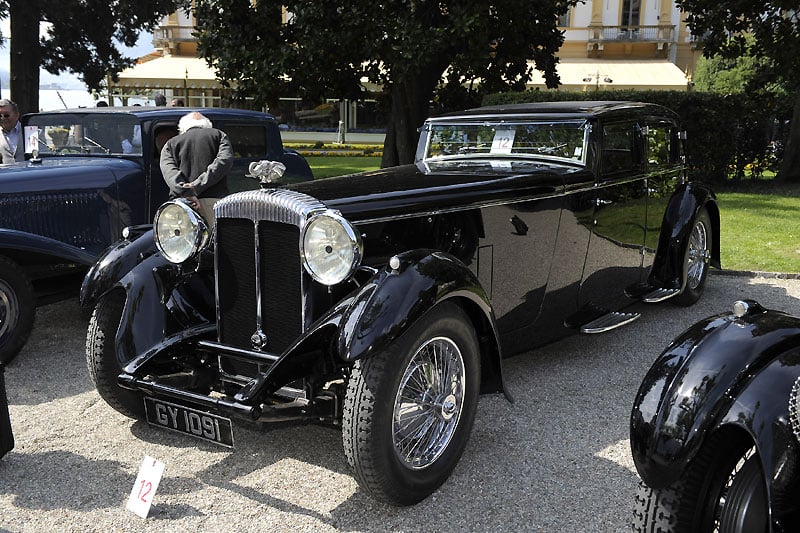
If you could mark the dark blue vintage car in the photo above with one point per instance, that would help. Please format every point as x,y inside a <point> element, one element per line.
<point>715,427</point>
<point>98,173</point>
<point>384,302</point>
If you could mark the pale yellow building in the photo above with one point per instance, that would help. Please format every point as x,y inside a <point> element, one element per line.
<point>636,44</point>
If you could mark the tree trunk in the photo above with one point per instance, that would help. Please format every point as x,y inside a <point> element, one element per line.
<point>25,55</point>
<point>789,171</point>
<point>409,103</point>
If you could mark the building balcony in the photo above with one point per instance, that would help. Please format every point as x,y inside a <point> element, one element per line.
<point>659,34</point>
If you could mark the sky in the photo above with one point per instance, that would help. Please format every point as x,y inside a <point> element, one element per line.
<point>64,80</point>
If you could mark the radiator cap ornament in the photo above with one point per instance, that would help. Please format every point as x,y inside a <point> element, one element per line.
<point>267,172</point>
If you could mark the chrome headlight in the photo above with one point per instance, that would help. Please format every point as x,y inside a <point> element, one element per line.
<point>180,232</point>
<point>331,248</point>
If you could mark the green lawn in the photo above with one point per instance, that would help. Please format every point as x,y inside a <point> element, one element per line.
<point>329,166</point>
<point>760,224</point>
<point>760,230</point>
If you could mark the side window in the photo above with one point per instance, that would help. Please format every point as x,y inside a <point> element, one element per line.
<point>619,148</point>
<point>249,141</point>
<point>659,145</point>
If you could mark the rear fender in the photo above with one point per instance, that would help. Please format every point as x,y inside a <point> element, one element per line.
<point>695,382</point>
<point>676,228</point>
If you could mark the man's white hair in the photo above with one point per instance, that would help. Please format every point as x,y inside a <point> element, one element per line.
<point>193,120</point>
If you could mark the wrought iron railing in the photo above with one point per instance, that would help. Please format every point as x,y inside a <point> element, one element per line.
<point>641,34</point>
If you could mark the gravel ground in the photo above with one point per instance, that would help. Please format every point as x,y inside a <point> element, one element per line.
<point>555,460</point>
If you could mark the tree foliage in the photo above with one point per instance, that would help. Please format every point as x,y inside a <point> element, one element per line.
<point>82,39</point>
<point>744,74</point>
<point>412,48</point>
<point>769,30</point>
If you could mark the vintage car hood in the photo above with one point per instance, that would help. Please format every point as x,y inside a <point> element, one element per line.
<point>417,188</point>
<point>62,173</point>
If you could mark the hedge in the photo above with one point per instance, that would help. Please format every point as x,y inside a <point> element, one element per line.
<point>729,136</point>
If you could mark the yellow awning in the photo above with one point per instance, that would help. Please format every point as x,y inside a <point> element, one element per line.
<point>588,75</point>
<point>169,72</point>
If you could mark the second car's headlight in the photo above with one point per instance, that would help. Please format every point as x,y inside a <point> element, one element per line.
<point>179,232</point>
<point>331,248</point>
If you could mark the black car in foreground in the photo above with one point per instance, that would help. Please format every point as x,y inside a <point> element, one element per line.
<point>384,302</point>
<point>97,172</point>
<point>715,427</point>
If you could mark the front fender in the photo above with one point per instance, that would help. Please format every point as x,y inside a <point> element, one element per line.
<point>676,227</point>
<point>397,297</point>
<point>694,383</point>
<point>376,314</point>
<point>118,259</point>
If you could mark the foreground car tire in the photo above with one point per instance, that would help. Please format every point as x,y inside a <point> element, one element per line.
<point>101,357</point>
<point>17,309</point>
<point>720,492</point>
<point>695,260</point>
<point>409,410</point>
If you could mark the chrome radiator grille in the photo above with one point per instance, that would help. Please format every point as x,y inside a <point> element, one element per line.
<point>259,269</point>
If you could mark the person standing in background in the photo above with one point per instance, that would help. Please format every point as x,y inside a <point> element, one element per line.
<point>12,144</point>
<point>195,163</point>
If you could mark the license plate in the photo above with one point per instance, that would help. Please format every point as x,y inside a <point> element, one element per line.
<point>189,421</point>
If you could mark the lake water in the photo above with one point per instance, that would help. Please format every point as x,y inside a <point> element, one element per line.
<point>50,99</point>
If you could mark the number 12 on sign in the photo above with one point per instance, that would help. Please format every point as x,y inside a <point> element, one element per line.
<point>144,489</point>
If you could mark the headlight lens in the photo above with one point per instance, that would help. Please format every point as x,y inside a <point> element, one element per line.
<point>180,232</point>
<point>331,248</point>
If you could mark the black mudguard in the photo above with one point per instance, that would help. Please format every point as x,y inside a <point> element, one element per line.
<point>676,227</point>
<point>723,371</point>
<point>118,259</point>
<point>23,242</point>
<point>376,314</point>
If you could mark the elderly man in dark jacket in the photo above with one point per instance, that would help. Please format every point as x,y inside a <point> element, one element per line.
<point>195,163</point>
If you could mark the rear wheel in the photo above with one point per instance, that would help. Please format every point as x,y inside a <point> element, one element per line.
<point>17,309</point>
<point>718,492</point>
<point>101,357</point>
<point>696,256</point>
<point>409,410</point>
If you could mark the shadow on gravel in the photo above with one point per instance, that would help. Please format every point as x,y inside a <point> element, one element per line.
<point>72,481</point>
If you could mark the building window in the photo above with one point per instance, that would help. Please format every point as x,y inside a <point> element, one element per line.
<point>631,10</point>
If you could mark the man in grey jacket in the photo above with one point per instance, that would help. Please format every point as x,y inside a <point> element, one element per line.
<point>195,163</point>
<point>12,142</point>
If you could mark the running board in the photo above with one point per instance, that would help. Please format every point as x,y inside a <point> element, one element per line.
<point>609,321</point>
<point>659,295</point>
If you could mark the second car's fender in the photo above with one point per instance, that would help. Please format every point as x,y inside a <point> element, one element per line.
<point>694,384</point>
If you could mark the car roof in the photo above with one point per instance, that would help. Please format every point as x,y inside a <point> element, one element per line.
<point>567,109</point>
<point>161,112</point>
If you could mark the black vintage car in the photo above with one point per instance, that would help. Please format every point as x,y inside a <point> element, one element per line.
<point>384,301</point>
<point>715,427</point>
<point>96,172</point>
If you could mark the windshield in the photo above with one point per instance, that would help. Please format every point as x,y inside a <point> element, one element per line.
<point>540,140</point>
<point>89,133</point>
